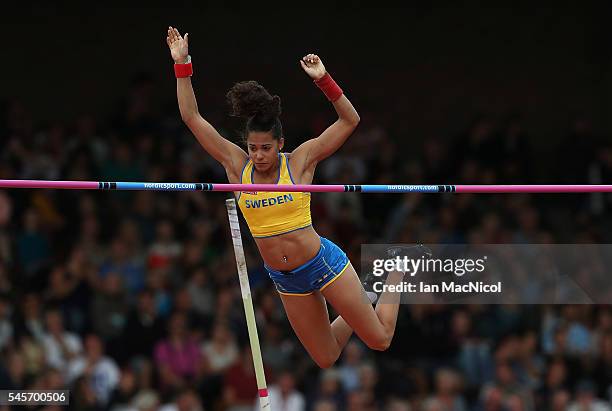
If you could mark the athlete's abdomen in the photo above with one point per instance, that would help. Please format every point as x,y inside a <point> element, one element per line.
<point>298,246</point>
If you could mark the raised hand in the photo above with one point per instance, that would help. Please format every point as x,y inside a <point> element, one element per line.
<point>179,46</point>
<point>313,66</point>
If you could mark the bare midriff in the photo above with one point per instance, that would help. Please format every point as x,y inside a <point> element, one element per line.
<point>286,252</point>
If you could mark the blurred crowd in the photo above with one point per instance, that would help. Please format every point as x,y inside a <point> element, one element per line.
<point>131,299</point>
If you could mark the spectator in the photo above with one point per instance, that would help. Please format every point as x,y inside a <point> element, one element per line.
<point>277,350</point>
<point>126,265</point>
<point>32,353</point>
<point>125,390</point>
<point>29,321</point>
<point>240,385</point>
<point>200,290</point>
<point>491,399</point>
<point>559,401</point>
<point>99,371</point>
<point>33,246</point>
<point>143,328</point>
<point>187,400</point>
<point>6,326</point>
<point>447,392</point>
<point>221,351</point>
<point>324,405</point>
<point>61,346</point>
<point>352,357</point>
<point>178,356</point>
<point>165,250</point>
<point>586,400</point>
<point>109,308</point>
<point>329,388</point>
<point>13,373</point>
<point>6,241</point>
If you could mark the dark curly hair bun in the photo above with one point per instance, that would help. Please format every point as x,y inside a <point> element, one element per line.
<point>250,100</point>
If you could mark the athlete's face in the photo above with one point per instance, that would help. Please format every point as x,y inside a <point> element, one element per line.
<point>263,150</point>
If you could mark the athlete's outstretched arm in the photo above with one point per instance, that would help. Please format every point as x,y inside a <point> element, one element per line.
<point>319,148</point>
<point>224,151</point>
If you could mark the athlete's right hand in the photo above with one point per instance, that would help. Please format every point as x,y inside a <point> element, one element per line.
<point>179,46</point>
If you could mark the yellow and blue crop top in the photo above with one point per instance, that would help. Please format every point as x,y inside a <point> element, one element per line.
<point>269,214</point>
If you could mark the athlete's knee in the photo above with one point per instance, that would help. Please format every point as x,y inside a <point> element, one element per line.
<point>325,360</point>
<point>380,342</point>
<point>325,363</point>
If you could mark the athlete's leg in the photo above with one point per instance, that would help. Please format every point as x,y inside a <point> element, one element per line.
<point>374,326</point>
<point>341,330</point>
<point>310,320</point>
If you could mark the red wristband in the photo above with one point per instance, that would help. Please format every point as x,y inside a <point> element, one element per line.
<point>329,87</point>
<point>183,70</point>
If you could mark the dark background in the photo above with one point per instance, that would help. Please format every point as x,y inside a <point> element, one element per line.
<point>433,66</point>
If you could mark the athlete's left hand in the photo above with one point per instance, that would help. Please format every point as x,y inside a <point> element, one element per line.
<point>313,66</point>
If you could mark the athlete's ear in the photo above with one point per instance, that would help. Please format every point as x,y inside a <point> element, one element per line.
<point>281,143</point>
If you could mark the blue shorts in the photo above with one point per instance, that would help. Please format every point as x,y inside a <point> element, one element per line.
<point>329,263</point>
